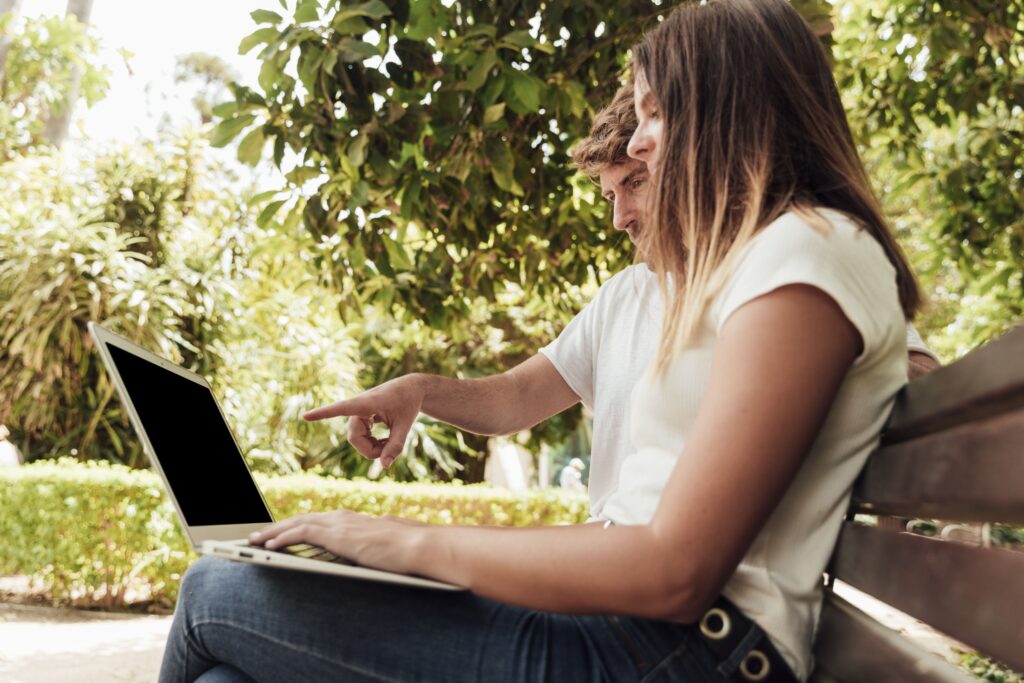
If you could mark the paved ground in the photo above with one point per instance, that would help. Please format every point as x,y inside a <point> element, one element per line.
<point>49,645</point>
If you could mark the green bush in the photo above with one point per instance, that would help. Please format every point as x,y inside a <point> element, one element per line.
<point>984,668</point>
<point>106,535</point>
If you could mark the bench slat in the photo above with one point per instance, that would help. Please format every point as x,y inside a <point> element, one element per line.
<point>852,647</point>
<point>986,382</point>
<point>973,473</point>
<point>973,594</point>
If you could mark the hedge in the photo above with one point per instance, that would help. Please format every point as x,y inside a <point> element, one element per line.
<point>105,535</point>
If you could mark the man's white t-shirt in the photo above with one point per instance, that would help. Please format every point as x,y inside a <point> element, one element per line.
<point>608,348</point>
<point>604,351</point>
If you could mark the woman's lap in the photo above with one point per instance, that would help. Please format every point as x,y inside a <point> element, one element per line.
<point>279,625</point>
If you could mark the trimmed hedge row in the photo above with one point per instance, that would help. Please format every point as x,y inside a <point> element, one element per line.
<point>106,535</point>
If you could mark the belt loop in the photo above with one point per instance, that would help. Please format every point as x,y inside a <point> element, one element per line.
<point>728,666</point>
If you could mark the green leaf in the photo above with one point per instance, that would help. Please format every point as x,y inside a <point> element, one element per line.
<point>262,197</point>
<point>279,150</point>
<point>251,147</point>
<point>300,174</point>
<point>396,254</point>
<point>351,26</point>
<point>294,216</point>
<point>257,37</point>
<point>225,131</point>
<point>270,75</point>
<point>307,10</point>
<point>494,113</point>
<point>478,74</point>
<point>503,166</point>
<point>310,60</point>
<point>517,39</point>
<point>265,16</point>
<point>355,50</point>
<point>374,9</point>
<point>357,149</point>
<point>225,109</point>
<point>525,93</point>
<point>360,194</point>
<point>268,212</point>
<point>423,21</point>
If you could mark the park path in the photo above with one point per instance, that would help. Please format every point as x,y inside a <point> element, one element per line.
<point>51,645</point>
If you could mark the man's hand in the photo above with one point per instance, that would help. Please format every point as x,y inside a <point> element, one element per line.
<point>396,404</point>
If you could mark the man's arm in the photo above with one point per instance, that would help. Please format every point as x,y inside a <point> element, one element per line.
<point>501,404</point>
<point>920,364</point>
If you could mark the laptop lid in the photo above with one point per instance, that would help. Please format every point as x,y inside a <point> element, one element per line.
<point>184,434</point>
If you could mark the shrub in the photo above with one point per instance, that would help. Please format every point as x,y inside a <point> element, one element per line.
<point>105,535</point>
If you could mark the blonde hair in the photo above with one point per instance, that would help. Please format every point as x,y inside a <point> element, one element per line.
<point>753,127</point>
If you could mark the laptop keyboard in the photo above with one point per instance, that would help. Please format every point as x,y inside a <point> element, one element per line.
<point>310,552</point>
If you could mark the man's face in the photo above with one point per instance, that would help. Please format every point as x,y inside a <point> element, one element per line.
<point>625,186</point>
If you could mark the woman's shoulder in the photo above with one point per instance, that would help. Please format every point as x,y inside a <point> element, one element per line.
<point>820,231</point>
<point>822,248</point>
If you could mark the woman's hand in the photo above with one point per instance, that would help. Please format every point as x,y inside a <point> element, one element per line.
<point>387,543</point>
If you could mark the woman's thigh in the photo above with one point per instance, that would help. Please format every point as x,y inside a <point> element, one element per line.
<point>279,625</point>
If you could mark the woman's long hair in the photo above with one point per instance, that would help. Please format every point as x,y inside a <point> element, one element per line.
<point>753,128</point>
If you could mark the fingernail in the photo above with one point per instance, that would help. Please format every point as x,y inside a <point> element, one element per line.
<point>253,536</point>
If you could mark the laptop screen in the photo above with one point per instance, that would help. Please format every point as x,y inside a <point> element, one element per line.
<point>202,464</point>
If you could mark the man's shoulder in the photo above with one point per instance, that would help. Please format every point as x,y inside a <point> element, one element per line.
<point>629,279</point>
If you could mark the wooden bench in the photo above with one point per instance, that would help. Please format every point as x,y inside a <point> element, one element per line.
<point>953,450</point>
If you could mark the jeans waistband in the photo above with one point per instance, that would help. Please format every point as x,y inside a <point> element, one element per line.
<point>742,648</point>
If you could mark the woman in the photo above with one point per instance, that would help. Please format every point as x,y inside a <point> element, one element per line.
<point>766,239</point>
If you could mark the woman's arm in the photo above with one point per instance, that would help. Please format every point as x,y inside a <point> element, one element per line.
<point>779,362</point>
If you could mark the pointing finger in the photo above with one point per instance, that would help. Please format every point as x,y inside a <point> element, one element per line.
<point>346,408</point>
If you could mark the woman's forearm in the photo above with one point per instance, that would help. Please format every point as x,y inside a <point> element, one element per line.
<point>582,569</point>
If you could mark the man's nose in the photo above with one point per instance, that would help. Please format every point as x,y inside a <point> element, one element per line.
<point>624,215</point>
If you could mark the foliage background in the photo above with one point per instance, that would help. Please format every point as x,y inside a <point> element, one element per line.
<point>95,534</point>
<point>429,219</point>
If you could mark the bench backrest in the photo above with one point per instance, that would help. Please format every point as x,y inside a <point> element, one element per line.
<point>953,450</point>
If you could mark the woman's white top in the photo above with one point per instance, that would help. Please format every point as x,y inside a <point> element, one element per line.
<point>778,583</point>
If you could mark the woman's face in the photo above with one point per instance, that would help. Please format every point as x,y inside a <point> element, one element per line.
<point>645,145</point>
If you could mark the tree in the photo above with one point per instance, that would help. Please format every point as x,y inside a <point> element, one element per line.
<point>211,76</point>
<point>9,9</point>
<point>37,76</point>
<point>60,118</point>
<point>938,104</point>
<point>434,170</point>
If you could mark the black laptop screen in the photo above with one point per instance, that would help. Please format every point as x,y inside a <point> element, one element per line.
<point>200,459</point>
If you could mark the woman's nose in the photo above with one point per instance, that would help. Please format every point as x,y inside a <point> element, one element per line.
<point>639,146</point>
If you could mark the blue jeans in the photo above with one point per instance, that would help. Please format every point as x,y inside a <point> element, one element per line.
<point>244,622</point>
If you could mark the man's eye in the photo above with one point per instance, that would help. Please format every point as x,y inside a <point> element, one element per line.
<point>638,183</point>
<point>654,113</point>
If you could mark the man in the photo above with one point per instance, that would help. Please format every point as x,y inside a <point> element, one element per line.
<point>597,359</point>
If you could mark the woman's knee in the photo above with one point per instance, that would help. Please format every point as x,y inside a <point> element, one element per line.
<point>211,580</point>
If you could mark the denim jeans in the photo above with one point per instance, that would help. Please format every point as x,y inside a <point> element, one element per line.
<point>244,622</point>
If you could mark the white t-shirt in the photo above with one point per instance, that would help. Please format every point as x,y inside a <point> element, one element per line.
<point>603,352</point>
<point>610,345</point>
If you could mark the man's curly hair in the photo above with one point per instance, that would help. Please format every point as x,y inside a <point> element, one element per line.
<point>609,136</point>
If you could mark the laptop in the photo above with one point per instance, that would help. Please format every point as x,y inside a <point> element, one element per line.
<point>184,433</point>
